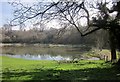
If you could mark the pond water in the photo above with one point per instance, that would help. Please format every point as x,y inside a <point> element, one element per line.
<point>40,57</point>
<point>45,52</point>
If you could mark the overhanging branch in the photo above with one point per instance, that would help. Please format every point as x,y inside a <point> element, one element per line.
<point>91,31</point>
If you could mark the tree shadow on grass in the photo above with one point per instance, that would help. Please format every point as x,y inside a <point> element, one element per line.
<point>71,75</point>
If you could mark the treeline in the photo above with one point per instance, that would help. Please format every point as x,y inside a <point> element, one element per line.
<point>54,36</point>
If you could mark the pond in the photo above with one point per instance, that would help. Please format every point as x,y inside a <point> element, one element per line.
<point>33,52</point>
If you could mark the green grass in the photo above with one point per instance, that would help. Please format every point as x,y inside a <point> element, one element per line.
<point>20,69</point>
<point>100,54</point>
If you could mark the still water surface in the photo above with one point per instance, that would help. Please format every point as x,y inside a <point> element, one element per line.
<point>44,52</point>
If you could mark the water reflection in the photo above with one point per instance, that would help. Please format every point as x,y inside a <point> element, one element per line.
<point>45,53</point>
<point>41,57</point>
<point>42,53</point>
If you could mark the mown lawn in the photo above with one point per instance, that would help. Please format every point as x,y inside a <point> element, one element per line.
<point>20,69</point>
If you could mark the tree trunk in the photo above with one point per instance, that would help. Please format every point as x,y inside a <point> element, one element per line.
<point>112,45</point>
<point>113,52</point>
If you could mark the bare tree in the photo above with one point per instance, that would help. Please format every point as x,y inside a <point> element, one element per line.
<point>74,13</point>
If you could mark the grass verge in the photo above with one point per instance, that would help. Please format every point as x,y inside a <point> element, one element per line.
<point>20,69</point>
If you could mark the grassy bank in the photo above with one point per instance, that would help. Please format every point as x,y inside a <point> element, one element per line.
<point>20,69</point>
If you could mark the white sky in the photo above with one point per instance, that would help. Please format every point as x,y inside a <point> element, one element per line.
<point>6,12</point>
<point>53,24</point>
<point>28,0</point>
